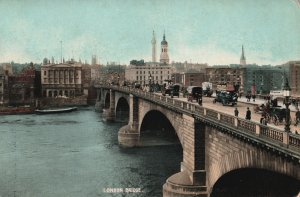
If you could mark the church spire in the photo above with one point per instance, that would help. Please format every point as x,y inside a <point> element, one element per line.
<point>243,59</point>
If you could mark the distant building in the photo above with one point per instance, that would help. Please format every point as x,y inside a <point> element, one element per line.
<point>178,78</point>
<point>62,79</point>
<point>23,88</point>
<point>142,73</point>
<point>113,72</point>
<point>230,75</point>
<point>265,78</point>
<point>7,69</point>
<point>180,67</point>
<point>94,60</point>
<point>155,72</point>
<point>193,79</point>
<point>292,69</point>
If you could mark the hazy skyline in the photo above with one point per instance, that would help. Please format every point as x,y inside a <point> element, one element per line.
<point>203,31</point>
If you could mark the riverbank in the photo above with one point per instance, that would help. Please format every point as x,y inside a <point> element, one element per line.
<point>16,110</point>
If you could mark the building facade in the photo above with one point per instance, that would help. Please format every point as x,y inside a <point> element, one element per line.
<point>153,72</point>
<point>193,79</point>
<point>62,79</point>
<point>264,78</point>
<point>23,88</point>
<point>293,73</point>
<point>229,75</point>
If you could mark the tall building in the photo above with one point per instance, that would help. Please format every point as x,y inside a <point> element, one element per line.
<point>153,41</point>
<point>243,58</point>
<point>164,57</point>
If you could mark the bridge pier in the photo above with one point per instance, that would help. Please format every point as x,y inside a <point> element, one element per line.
<point>110,113</point>
<point>191,181</point>
<point>129,135</point>
<point>100,101</point>
<point>99,106</point>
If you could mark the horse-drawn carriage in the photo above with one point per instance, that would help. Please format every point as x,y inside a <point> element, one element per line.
<point>273,114</point>
<point>194,93</point>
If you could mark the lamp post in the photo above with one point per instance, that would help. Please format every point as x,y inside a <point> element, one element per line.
<point>150,78</point>
<point>287,94</point>
<point>118,80</point>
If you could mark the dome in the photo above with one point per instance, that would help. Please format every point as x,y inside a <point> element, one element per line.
<point>164,42</point>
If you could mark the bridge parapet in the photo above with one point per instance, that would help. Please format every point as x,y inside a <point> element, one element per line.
<point>278,139</point>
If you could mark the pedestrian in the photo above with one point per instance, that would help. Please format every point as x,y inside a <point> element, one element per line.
<point>261,119</point>
<point>236,112</point>
<point>264,122</point>
<point>253,97</point>
<point>248,114</point>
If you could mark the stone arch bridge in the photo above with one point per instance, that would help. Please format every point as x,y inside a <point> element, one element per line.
<point>213,143</point>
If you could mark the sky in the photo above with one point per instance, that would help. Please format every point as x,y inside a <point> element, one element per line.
<point>198,31</point>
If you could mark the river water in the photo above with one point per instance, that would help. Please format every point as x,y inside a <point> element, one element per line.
<point>77,154</point>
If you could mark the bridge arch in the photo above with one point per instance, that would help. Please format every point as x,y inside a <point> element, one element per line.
<point>245,159</point>
<point>255,181</point>
<point>160,120</point>
<point>122,109</point>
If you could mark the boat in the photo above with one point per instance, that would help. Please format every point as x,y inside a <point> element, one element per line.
<point>55,111</point>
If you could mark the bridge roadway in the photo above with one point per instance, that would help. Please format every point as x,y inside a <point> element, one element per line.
<point>242,108</point>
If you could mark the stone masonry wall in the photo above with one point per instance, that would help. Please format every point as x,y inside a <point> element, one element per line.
<point>225,153</point>
<point>60,102</point>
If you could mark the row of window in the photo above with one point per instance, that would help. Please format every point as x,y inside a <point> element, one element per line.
<point>57,81</point>
<point>156,72</point>
<point>154,77</point>
<point>151,67</point>
<point>60,72</point>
